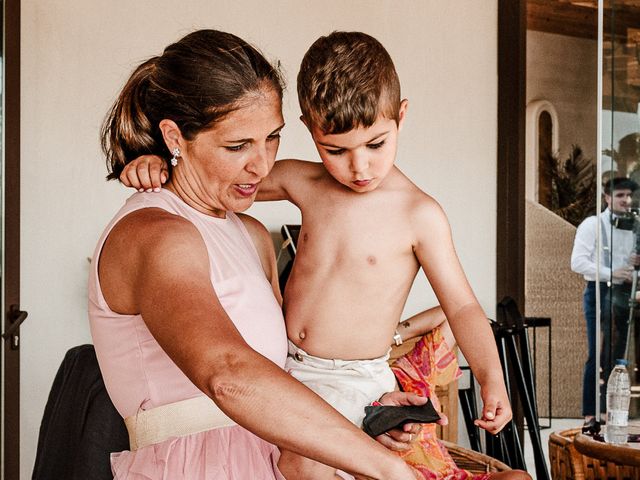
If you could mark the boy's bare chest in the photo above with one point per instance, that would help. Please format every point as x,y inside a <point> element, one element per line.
<point>355,233</point>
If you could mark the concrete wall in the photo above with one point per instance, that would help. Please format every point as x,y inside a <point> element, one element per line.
<point>76,56</point>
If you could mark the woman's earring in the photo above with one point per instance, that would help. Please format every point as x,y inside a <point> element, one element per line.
<point>176,154</point>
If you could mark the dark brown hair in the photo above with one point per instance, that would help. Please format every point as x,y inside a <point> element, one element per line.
<point>346,80</point>
<point>195,82</point>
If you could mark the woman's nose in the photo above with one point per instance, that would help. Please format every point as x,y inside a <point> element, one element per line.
<point>259,164</point>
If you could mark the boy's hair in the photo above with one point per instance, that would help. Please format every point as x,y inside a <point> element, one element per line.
<point>347,80</point>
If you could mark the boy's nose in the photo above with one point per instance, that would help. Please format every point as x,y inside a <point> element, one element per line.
<point>359,162</point>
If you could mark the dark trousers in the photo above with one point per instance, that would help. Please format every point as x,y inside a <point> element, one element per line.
<point>613,306</point>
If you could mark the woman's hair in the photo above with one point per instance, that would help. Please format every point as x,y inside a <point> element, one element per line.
<point>195,82</point>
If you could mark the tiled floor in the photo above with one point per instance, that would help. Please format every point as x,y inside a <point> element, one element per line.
<point>557,424</point>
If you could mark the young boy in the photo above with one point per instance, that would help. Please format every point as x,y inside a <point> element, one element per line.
<point>366,232</point>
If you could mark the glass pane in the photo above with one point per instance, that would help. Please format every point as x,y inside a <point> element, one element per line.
<point>621,195</point>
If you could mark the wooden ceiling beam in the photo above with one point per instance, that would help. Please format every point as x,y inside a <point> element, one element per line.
<point>580,20</point>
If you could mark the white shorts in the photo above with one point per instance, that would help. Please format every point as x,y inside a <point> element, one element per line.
<point>346,385</point>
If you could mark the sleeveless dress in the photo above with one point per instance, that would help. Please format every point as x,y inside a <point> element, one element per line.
<point>139,375</point>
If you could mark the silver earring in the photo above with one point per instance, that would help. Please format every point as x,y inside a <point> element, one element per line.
<point>176,154</point>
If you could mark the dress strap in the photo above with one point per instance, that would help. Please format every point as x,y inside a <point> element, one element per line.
<point>178,419</point>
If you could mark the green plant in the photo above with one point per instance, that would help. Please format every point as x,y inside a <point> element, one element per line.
<point>573,185</point>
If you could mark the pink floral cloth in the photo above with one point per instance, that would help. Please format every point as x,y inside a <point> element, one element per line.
<point>431,363</point>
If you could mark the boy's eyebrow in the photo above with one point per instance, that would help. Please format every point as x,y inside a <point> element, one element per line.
<point>376,137</point>
<point>243,140</point>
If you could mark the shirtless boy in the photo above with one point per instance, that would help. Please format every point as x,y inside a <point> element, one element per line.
<point>366,232</point>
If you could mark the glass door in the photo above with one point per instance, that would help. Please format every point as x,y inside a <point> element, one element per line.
<point>620,134</point>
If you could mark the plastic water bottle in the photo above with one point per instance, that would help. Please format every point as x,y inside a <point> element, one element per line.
<point>618,396</point>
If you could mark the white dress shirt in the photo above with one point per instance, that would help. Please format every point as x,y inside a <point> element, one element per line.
<point>583,256</point>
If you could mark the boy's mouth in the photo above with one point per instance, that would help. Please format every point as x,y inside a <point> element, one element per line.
<point>246,189</point>
<point>362,183</point>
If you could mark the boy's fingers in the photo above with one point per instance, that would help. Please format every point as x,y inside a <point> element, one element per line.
<point>164,175</point>
<point>132,178</point>
<point>143,175</point>
<point>155,174</point>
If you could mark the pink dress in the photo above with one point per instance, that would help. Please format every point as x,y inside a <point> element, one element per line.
<point>139,375</point>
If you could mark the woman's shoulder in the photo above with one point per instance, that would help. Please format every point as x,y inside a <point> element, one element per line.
<point>257,231</point>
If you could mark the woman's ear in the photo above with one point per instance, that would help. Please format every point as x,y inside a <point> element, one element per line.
<point>172,135</point>
<point>404,105</point>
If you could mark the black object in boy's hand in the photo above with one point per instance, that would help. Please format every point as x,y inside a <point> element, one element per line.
<point>382,418</point>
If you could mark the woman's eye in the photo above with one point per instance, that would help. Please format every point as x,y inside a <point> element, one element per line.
<point>275,136</point>
<point>235,148</point>
<point>339,151</point>
<point>375,146</point>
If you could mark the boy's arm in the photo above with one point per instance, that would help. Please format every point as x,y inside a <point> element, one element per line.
<point>435,251</point>
<point>288,180</point>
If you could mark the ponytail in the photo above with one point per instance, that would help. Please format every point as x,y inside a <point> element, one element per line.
<point>127,132</point>
<point>196,82</point>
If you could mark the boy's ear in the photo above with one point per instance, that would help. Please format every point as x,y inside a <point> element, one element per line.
<point>172,135</point>
<point>404,105</point>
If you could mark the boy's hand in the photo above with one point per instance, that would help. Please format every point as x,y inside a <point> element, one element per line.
<point>400,439</point>
<point>145,173</point>
<point>496,410</point>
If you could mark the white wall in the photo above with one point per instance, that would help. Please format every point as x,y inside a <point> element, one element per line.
<point>563,70</point>
<point>77,54</point>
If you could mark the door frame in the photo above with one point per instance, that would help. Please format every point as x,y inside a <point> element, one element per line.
<point>10,359</point>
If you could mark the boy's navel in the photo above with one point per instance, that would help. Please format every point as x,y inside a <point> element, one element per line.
<point>371,260</point>
<point>302,335</point>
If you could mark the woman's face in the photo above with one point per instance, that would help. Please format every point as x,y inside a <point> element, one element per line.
<point>221,168</point>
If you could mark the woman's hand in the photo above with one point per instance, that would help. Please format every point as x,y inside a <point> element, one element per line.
<point>400,439</point>
<point>145,173</point>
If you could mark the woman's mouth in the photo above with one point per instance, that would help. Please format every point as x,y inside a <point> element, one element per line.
<point>246,189</point>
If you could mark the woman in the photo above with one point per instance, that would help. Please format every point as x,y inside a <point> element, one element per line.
<point>183,292</point>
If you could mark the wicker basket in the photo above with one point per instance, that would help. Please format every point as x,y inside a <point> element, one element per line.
<point>569,464</point>
<point>473,461</point>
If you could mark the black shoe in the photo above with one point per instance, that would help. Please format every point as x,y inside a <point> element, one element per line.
<point>591,427</point>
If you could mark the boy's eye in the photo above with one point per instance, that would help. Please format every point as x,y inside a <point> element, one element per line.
<point>275,136</point>
<point>338,151</point>
<point>375,146</point>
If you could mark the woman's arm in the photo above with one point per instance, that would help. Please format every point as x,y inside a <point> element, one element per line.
<point>156,264</point>
<point>421,323</point>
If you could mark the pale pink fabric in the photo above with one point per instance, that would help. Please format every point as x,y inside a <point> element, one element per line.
<point>139,375</point>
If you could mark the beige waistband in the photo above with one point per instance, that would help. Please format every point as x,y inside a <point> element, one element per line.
<point>178,419</point>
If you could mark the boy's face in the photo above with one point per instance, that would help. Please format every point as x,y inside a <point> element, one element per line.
<point>360,158</point>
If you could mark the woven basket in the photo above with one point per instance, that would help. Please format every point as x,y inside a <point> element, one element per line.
<point>569,464</point>
<point>473,461</point>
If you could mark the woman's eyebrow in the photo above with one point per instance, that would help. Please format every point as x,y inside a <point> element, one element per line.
<point>244,140</point>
